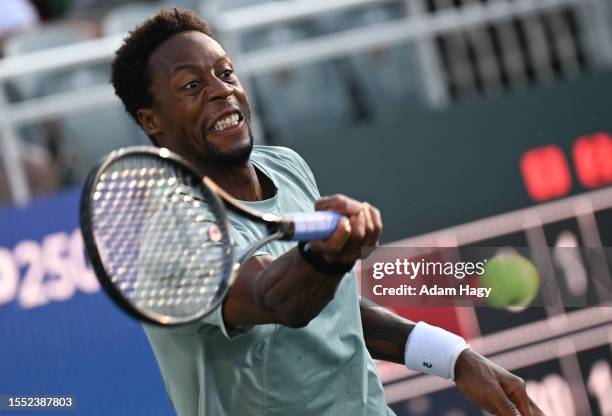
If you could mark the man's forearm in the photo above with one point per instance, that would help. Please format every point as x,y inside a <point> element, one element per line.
<point>285,290</point>
<point>385,333</point>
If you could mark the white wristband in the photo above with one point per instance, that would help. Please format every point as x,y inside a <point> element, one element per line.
<point>433,350</point>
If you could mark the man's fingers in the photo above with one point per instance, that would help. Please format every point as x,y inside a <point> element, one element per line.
<point>370,230</point>
<point>377,217</point>
<point>535,410</point>
<point>370,241</point>
<point>352,248</point>
<point>504,406</point>
<point>338,203</point>
<point>365,229</point>
<point>334,244</point>
<point>517,392</point>
<point>338,239</point>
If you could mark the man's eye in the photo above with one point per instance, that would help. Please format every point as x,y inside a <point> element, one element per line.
<point>192,85</point>
<point>227,73</point>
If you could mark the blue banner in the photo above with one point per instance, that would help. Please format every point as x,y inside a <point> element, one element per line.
<point>60,335</point>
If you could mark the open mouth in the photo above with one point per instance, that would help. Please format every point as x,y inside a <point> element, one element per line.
<point>228,122</point>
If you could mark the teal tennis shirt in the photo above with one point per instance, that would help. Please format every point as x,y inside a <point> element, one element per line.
<point>323,369</point>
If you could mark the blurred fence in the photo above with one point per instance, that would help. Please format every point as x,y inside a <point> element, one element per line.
<point>455,51</point>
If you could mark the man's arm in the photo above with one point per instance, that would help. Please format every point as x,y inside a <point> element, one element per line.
<point>384,332</point>
<point>288,290</point>
<point>486,384</point>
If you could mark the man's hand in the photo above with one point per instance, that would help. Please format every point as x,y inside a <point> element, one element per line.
<point>491,387</point>
<point>362,226</point>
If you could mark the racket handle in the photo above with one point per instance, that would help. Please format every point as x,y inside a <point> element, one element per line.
<point>313,225</point>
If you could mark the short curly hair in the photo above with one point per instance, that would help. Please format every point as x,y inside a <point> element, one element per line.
<point>130,73</point>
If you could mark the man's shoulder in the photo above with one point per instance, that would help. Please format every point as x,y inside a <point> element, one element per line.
<point>286,162</point>
<point>278,154</point>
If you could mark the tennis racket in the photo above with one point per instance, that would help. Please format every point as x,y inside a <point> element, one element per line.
<point>156,233</point>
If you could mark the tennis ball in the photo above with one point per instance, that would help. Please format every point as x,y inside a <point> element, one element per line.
<point>512,278</point>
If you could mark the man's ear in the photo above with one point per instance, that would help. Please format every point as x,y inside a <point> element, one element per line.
<point>149,122</point>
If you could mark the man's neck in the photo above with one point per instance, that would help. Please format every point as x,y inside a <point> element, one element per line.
<point>243,182</point>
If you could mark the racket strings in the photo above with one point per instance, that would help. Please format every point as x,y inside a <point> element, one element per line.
<point>159,236</point>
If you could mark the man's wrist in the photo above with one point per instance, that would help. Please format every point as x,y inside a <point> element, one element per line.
<point>433,350</point>
<point>464,361</point>
<point>317,262</point>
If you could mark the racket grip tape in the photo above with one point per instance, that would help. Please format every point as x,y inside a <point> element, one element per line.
<point>317,225</point>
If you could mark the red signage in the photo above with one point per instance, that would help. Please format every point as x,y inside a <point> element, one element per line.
<point>593,160</point>
<point>546,173</point>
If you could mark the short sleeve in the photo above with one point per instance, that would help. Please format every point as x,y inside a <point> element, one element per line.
<point>303,169</point>
<point>216,319</point>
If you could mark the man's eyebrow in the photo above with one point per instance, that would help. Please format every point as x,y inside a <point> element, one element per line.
<point>181,66</point>
<point>224,58</point>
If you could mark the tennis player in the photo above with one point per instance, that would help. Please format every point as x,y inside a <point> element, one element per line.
<point>292,337</point>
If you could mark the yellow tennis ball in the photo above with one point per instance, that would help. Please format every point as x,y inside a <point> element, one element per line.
<point>513,280</point>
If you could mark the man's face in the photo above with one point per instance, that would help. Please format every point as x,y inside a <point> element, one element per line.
<point>200,109</point>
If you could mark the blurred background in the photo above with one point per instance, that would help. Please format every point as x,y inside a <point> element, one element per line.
<point>467,122</point>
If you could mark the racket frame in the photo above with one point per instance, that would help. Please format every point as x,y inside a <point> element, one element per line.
<point>279,228</point>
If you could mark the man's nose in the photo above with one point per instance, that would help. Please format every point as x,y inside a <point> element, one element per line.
<point>217,89</point>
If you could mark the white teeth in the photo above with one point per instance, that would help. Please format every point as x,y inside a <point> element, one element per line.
<point>226,122</point>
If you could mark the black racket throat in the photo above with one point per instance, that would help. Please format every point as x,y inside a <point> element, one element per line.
<point>275,224</point>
